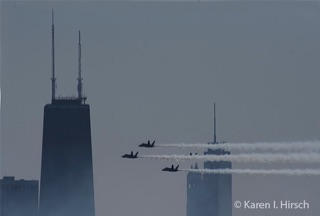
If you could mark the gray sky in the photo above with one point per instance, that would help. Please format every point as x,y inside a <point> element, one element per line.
<point>151,71</point>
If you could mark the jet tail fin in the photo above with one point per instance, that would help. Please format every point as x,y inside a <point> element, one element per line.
<point>177,167</point>
<point>153,143</point>
<point>136,154</point>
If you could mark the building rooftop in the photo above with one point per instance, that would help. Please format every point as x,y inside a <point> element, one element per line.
<point>11,179</point>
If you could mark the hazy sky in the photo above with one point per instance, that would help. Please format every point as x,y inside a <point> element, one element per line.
<point>152,71</point>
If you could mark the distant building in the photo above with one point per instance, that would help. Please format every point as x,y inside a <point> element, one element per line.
<point>210,194</point>
<point>19,197</point>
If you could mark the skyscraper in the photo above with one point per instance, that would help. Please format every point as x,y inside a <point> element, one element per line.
<point>18,197</point>
<point>210,194</point>
<point>66,185</point>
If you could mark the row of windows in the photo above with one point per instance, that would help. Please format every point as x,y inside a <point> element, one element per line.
<point>19,187</point>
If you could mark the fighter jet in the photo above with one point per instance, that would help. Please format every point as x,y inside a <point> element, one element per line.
<point>131,156</point>
<point>171,169</point>
<point>147,145</point>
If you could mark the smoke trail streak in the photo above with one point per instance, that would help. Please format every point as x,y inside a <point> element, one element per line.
<point>256,171</point>
<point>311,146</point>
<point>263,158</point>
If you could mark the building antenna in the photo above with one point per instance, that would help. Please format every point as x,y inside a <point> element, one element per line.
<point>79,70</point>
<point>214,124</point>
<point>53,78</point>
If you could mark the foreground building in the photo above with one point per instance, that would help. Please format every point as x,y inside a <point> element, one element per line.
<point>18,197</point>
<point>66,186</point>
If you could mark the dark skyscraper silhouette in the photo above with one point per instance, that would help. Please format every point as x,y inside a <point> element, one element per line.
<point>18,197</point>
<point>66,185</point>
<point>210,194</point>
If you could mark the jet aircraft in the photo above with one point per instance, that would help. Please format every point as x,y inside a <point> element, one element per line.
<point>147,145</point>
<point>171,169</point>
<point>131,156</point>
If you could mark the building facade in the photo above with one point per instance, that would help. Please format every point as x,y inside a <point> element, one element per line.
<point>210,194</point>
<point>66,186</point>
<point>19,197</point>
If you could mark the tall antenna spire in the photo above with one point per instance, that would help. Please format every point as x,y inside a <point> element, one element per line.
<point>79,70</point>
<point>53,78</point>
<point>214,124</point>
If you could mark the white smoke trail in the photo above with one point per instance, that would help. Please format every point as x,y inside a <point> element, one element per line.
<point>254,171</point>
<point>310,146</point>
<point>263,158</point>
